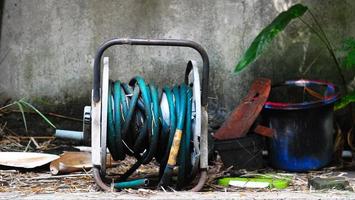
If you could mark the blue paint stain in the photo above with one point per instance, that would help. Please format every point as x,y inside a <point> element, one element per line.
<point>283,158</point>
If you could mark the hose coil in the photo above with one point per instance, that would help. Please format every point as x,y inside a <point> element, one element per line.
<point>138,127</point>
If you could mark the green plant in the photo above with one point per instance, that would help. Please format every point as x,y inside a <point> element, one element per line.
<point>266,36</point>
<point>22,105</point>
<point>349,51</point>
<point>348,58</point>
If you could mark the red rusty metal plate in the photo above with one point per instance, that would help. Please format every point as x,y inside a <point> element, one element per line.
<point>243,116</point>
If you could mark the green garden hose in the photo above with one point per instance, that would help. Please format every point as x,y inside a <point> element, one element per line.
<point>136,127</point>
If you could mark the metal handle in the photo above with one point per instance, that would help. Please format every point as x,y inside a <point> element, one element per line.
<point>151,42</point>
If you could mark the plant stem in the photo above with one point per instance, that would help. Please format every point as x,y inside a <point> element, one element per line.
<point>337,64</point>
<point>38,112</point>
<point>325,41</point>
<point>315,32</point>
<point>330,49</point>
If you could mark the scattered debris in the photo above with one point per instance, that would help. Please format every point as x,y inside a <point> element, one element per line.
<point>71,162</point>
<point>74,162</point>
<point>25,159</point>
<point>43,182</point>
<point>39,180</point>
<point>13,142</point>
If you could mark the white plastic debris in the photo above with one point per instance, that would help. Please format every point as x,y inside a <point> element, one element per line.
<point>25,159</point>
<point>249,184</point>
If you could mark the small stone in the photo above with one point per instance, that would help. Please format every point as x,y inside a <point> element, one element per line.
<point>339,183</point>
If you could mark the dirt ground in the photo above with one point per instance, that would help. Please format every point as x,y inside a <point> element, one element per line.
<point>40,184</point>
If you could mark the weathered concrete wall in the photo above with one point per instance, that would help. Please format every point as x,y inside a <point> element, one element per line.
<point>47,46</point>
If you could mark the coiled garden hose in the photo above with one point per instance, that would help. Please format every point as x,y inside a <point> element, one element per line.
<point>137,127</point>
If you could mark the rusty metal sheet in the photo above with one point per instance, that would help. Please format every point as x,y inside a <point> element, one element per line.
<point>243,116</point>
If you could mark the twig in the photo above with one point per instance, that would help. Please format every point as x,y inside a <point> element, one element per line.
<point>350,139</point>
<point>35,143</point>
<point>163,188</point>
<point>8,171</point>
<point>51,114</point>
<point>2,127</point>
<point>172,189</point>
<point>310,65</point>
<point>11,131</point>
<point>35,137</point>
<point>8,105</point>
<point>60,176</point>
<point>28,145</point>
<point>64,117</point>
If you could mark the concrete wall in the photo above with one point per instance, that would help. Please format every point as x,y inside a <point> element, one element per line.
<point>47,46</point>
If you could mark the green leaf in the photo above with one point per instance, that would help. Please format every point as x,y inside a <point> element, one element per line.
<point>38,112</point>
<point>344,101</point>
<point>349,43</point>
<point>349,60</point>
<point>264,38</point>
<point>349,50</point>
<point>23,114</point>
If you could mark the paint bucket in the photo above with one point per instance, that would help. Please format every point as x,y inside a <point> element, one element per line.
<point>301,113</point>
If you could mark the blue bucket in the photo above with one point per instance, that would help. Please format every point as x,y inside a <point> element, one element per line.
<point>301,113</point>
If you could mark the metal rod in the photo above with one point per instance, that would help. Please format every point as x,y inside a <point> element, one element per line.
<point>67,134</point>
<point>151,42</point>
<point>201,182</point>
<point>98,180</point>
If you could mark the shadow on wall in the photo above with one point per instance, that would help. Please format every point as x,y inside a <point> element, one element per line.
<point>1,59</point>
<point>1,8</point>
